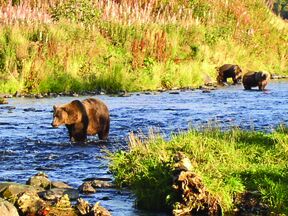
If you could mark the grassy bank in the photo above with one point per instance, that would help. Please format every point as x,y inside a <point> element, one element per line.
<point>230,163</point>
<point>127,46</point>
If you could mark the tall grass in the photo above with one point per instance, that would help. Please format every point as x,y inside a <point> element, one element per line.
<point>22,13</point>
<point>230,163</point>
<point>137,45</point>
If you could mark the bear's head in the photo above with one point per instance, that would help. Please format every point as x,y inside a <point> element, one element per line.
<point>265,75</point>
<point>262,76</point>
<point>64,115</point>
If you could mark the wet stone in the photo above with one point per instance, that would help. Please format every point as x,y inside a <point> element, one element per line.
<point>58,184</point>
<point>211,84</point>
<point>3,100</point>
<point>39,180</point>
<point>56,193</point>
<point>55,211</point>
<point>7,208</point>
<point>276,76</point>
<point>105,198</point>
<point>52,95</point>
<point>7,107</point>
<point>87,187</point>
<point>29,203</point>
<point>99,210</point>
<point>124,94</point>
<point>206,91</point>
<point>11,190</point>
<point>83,206</point>
<point>63,202</point>
<point>98,178</point>
<point>31,109</point>
<point>39,96</point>
<point>147,93</point>
<point>102,184</point>
<point>174,92</point>
<point>8,96</point>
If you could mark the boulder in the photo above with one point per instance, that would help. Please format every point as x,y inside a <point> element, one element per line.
<point>98,210</point>
<point>29,203</point>
<point>10,190</point>
<point>87,187</point>
<point>63,202</point>
<point>84,208</point>
<point>7,208</point>
<point>101,184</point>
<point>54,211</point>
<point>39,180</point>
<point>57,193</point>
<point>3,100</point>
<point>58,184</point>
<point>62,207</point>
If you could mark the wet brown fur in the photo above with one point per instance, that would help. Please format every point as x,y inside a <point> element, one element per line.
<point>254,79</point>
<point>82,118</point>
<point>228,71</point>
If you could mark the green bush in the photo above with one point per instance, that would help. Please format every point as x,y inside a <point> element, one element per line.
<point>172,45</point>
<point>79,11</point>
<point>230,163</point>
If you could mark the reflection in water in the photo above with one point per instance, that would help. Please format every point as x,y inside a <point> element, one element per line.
<point>29,144</point>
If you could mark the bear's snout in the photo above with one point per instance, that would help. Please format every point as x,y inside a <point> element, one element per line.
<point>54,125</point>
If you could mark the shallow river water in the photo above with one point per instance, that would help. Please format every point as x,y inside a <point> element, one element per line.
<point>28,143</point>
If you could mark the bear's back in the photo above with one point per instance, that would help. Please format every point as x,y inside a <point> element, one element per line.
<point>98,115</point>
<point>249,79</point>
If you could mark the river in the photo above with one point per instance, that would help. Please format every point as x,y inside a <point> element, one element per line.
<point>29,144</point>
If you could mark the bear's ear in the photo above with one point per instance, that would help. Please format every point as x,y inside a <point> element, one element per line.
<point>54,107</point>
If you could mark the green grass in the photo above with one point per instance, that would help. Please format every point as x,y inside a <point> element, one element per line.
<point>229,162</point>
<point>89,50</point>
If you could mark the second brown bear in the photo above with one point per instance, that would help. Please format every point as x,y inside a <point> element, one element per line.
<point>229,71</point>
<point>254,79</point>
<point>82,118</point>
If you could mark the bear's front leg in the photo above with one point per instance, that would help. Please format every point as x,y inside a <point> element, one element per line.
<point>77,132</point>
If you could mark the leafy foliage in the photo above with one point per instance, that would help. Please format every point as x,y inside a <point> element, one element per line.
<point>229,162</point>
<point>128,46</point>
<point>79,11</point>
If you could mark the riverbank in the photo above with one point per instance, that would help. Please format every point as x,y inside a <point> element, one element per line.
<point>205,88</point>
<point>128,47</point>
<point>41,196</point>
<point>235,166</point>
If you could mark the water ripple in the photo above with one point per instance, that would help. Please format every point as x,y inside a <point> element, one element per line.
<point>27,137</point>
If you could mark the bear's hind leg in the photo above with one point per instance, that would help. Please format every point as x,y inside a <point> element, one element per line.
<point>103,134</point>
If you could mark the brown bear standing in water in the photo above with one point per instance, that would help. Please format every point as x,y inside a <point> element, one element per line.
<point>82,118</point>
<point>229,71</point>
<point>254,79</point>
